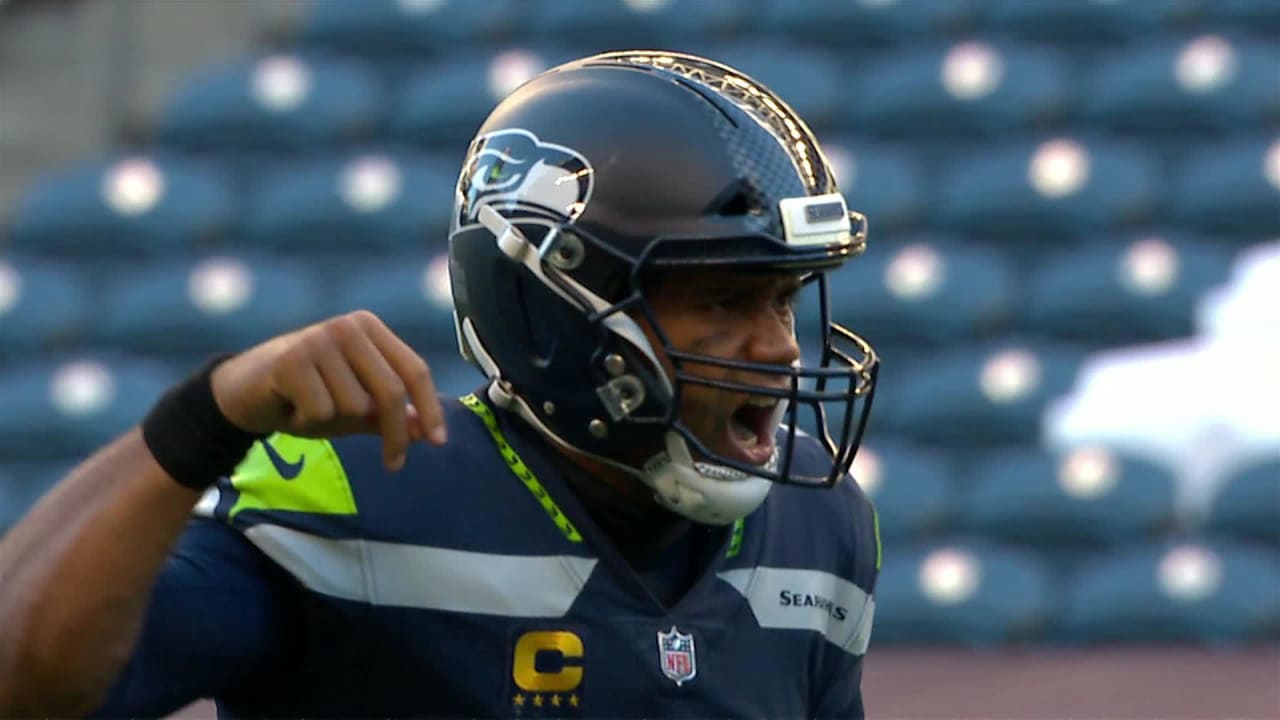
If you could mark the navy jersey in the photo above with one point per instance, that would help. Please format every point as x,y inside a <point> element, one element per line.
<point>472,583</point>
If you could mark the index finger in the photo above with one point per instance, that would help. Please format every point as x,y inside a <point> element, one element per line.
<point>416,375</point>
<point>381,381</point>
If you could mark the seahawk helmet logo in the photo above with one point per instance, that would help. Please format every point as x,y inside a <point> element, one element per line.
<point>518,174</point>
<point>676,655</point>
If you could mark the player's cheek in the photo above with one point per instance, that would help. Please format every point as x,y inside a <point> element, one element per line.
<point>701,409</point>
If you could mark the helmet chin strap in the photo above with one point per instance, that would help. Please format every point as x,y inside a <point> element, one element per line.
<point>703,492</point>
<point>707,492</point>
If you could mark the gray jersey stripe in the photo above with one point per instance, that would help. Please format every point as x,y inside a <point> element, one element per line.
<point>791,599</point>
<point>430,578</point>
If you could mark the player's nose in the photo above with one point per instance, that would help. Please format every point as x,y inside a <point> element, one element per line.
<point>773,339</point>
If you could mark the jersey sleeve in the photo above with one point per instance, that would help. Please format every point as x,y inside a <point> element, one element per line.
<point>218,624</point>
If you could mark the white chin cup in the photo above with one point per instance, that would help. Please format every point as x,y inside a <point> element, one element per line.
<point>703,492</point>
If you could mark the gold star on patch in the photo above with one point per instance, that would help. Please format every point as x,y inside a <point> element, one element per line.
<point>537,701</point>
<point>555,701</point>
<point>518,700</point>
<point>573,700</point>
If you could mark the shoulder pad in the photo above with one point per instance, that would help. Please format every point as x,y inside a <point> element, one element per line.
<point>284,472</point>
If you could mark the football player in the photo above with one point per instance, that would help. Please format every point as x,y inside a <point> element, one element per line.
<point>644,511</point>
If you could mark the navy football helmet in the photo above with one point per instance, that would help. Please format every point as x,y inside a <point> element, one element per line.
<point>607,169</point>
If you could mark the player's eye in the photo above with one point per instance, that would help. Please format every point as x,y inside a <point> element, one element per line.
<point>785,299</point>
<point>729,302</point>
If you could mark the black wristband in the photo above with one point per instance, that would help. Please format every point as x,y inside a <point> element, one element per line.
<point>190,437</point>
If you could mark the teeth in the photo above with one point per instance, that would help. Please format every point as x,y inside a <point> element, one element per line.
<point>743,434</point>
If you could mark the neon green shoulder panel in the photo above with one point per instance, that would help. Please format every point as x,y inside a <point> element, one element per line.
<point>875,518</point>
<point>306,475</point>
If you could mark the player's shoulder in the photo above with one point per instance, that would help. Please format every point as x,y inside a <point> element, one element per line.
<point>844,505</point>
<point>326,484</point>
<point>836,527</point>
<point>810,556</point>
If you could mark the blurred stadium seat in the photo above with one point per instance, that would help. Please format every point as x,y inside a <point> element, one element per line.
<point>1232,186</point>
<point>991,394</point>
<point>1207,83</point>
<point>1085,498</point>
<point>608,24</point>
<point>149,202</point>
<point>44,305</point>
<point>971,87</point>
<point>1122,291</point>
<point>911,487</point>
<point>1175,592</point>
<point>845,23</point>
<point>441,103</point>
<point>374,200</point>
<point>1098,21</point>
<point>197,307</point>
<point>925,293</point>
<point>410,292</point>
<point>963,592</point>
<point>69,407</point>
<point>882,181</point>
<point>1247,505</point>
<point>1034,192</point>
<point>282,103</point>
<point>1256,16</point>
<point>808,79</point>
<point>404,28</point>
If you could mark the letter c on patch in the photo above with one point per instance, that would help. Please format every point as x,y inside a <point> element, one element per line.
<point>566,645</point>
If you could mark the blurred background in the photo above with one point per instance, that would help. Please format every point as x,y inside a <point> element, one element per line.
<point>1073,280</point>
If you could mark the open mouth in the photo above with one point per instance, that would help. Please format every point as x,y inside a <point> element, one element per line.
<point>751,430</point>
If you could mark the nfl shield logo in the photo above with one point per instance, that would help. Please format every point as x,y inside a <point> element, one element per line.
<point>675,653</point>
